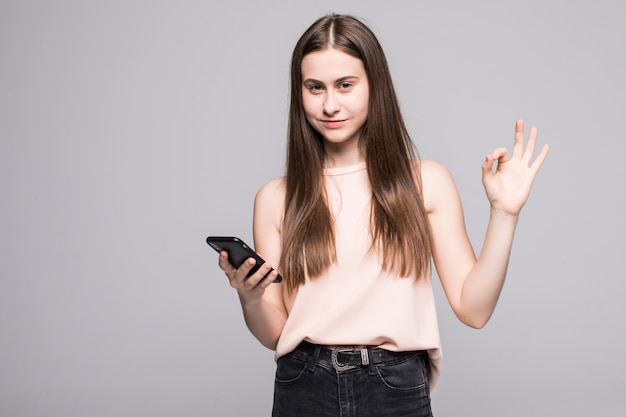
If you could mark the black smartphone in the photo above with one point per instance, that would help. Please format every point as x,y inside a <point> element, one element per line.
<point>238,252</point>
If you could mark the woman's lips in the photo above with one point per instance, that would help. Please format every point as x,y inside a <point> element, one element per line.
<point>333,124</point>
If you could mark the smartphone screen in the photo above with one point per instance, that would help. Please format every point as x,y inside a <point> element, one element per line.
<point>238,252</point>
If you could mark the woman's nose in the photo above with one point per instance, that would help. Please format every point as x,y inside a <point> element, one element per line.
<point>331,105</point>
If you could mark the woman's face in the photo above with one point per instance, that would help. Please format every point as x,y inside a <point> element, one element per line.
<point>335,94</point>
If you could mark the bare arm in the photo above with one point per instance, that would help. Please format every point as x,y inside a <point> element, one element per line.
<point>261,299</point>
<point>472,285</point>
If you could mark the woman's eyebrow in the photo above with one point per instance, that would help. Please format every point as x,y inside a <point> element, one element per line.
<point>346,78</point>
<point>337,81</point>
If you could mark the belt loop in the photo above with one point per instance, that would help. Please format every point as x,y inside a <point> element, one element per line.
<point>313,360</point>
<point>367,354</point>
<point>365,359</point>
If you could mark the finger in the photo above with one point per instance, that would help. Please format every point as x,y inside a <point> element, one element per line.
<point>500,155</point>
<point>530,147</point>
<point>224,263</point>
<point>518,144</point>
<point>245,267</point>
<point>537,164</point>
<point>259,275</point>
<point>269,279</point>
<point>488,166</point>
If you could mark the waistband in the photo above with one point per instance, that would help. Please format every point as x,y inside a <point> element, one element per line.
<point>343,359</point>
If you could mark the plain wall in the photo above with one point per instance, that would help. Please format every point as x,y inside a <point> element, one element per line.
<point>131,130</point>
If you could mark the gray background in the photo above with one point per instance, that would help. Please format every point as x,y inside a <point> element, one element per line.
<point>131,130</point>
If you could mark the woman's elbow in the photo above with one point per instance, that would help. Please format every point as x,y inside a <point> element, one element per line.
<point>475,321</point>
<point>270,344</point>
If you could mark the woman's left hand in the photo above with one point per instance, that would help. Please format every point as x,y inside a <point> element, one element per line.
<point>509,186</point>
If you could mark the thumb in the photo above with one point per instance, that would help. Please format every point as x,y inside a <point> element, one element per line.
<point>488,167</point>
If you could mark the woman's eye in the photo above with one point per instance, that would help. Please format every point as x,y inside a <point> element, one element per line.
<point>315,88</point>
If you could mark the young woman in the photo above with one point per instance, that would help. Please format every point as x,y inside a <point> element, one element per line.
<point>353,226</point>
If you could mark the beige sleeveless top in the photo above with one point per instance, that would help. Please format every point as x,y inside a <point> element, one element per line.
<point>356,303</point>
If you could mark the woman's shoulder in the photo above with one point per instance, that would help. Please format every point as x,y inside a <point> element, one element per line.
<point>271,194</point>
<point>432,171</point>
<point>437,183</point>
<point>272,188</point>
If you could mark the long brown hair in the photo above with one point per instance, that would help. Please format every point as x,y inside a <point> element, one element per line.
<point>398,223</point>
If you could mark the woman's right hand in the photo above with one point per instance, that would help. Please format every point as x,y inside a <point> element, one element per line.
<point>249,288</point>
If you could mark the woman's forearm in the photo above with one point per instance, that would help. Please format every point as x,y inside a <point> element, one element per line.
<point>484,282</point>
<point>264,320</point>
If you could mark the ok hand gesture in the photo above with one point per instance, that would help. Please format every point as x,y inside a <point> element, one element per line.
<point>509,186</point>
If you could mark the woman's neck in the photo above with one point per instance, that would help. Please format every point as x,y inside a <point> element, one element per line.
<point>337,158</point>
